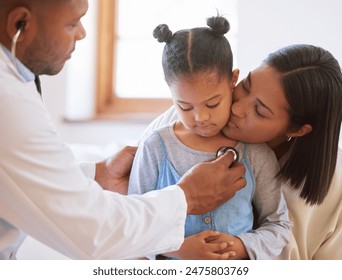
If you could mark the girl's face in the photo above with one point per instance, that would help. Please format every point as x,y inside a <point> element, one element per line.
<point>203,102</point>
<point>260,110</point>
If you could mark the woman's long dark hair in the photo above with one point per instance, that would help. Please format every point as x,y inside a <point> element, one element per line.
<point>312,81</point>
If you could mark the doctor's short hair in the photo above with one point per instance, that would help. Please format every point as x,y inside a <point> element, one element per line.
<point>189,51</point>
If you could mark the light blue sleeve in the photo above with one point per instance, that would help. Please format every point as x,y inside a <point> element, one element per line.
<point>145,168</point>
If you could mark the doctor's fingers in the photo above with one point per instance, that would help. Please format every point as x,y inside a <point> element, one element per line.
<point>230,173</point>
<point>226,159</point>
<point>232,179</point>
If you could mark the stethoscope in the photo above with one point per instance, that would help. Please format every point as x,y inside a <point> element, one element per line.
<point>223,150</point>
<point>20,27</point>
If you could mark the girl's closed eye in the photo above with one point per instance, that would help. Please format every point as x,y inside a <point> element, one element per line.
<point>213,105</point>
<point>214,102</point>
<point>184,107</point>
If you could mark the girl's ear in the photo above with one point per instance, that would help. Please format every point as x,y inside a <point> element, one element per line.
<point>235,77</point>
<point>303,130</point>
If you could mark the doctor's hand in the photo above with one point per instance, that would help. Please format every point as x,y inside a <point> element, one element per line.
<point>113,173</point>
<point>209,184</point>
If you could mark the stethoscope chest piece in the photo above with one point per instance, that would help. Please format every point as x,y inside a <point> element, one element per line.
<point>221,151</point>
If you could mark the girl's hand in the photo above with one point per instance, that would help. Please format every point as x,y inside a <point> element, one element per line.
<point>235,245</point>
<point>196,247</point>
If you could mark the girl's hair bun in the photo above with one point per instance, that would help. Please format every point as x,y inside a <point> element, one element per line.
<point>162,33</point>
<point>219,25</point>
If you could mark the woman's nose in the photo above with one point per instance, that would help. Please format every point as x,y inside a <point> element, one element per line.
<point>238,109</point>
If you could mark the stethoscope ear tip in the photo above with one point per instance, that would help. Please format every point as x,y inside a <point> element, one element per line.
<point>223,150</point>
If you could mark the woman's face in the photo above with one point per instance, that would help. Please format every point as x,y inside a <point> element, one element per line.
<point>260,111</point>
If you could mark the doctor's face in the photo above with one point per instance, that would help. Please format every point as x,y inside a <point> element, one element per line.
<point>59,27</point>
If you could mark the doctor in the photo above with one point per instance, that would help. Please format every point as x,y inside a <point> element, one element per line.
<point>44,192</point>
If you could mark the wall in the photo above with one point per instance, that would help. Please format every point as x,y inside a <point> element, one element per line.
<point>266,25</point>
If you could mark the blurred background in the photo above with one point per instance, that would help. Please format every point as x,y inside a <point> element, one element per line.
<point>258,27</point>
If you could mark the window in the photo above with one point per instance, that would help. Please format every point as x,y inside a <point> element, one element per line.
<point>130,72</point>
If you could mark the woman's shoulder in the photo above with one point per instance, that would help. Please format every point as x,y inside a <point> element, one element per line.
<point>260,157</point>
<point>260,152</point>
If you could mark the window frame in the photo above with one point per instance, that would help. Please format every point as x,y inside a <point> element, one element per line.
<point>108,105</point>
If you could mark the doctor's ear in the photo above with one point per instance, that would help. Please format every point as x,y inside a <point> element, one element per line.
<point>18,19</point>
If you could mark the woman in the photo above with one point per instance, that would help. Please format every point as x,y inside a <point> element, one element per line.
<point>293,102</point>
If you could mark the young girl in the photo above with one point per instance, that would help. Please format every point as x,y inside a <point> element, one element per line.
<point>197,65</point>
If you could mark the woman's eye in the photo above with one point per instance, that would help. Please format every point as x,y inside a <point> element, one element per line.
<point>257,112</point>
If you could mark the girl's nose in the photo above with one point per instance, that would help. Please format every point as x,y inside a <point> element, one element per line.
<point>201,116</point>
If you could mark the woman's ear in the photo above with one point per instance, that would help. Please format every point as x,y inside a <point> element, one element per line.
<point>303,130</point>
<point>235,77</point>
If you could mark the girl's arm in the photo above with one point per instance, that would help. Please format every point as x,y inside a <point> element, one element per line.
<point>144,172</point>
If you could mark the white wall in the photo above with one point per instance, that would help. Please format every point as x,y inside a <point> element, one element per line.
<point>264,26</point>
